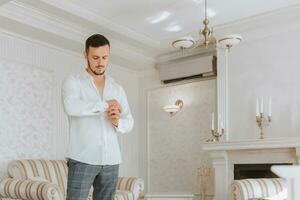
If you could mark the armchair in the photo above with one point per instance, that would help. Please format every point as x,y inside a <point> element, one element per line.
<point>47,179</point>
<point>259,189</point>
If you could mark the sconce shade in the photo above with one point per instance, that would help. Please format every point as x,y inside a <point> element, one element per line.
<point>173,109</point>
<point>230,40</point>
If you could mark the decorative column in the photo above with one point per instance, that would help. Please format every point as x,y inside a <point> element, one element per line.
<point>222,89</point>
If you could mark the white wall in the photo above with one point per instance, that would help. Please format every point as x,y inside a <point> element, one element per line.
<point>152,96</point>
<point>29,64</point>
<point>147,81</point>
<point>175,152</point>
<point>265,67</point>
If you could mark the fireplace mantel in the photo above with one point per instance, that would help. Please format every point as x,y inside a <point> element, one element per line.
<point>252,144</point>
<point>225,154</point>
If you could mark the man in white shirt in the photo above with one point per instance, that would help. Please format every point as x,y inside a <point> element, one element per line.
<point>98,110</point>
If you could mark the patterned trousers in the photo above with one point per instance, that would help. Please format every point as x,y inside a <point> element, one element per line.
<point>82,176</point>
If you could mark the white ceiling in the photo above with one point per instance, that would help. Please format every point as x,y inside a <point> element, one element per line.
<point>187,14</point>
<point>136,42</point>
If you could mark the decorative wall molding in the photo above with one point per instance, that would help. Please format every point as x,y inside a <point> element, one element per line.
<point>27,118</point>
<point>179,142</point>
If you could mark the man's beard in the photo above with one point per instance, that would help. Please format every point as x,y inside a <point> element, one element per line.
<point>94,72</point>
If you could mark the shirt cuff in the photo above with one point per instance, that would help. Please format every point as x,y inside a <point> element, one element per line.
<point>101,106</point>
<point>119,127</point>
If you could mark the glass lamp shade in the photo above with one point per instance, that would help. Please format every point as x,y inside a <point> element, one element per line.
<point>172,109</point>
<point>184,42</point>
<point>231,40</point>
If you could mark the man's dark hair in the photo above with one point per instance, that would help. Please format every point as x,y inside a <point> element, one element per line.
<point>96,40</point>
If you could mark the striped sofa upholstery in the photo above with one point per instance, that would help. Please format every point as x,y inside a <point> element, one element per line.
<point>47,179</point>
<point>259,189</point>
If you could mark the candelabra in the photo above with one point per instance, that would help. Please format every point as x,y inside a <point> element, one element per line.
<point>261,123</point>
<point>260,118</point>
<point>217,134</point>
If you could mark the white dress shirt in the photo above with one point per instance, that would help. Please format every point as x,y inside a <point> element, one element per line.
<point>93,139</point>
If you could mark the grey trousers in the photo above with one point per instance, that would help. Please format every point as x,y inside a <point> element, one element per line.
<point>82,176</point>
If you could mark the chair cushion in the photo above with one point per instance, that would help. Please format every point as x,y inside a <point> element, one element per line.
<point>124,195</point>
<point>260,188</point>
<point>54,171</point>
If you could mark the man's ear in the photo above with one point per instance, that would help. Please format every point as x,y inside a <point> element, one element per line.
<point>85,54</point>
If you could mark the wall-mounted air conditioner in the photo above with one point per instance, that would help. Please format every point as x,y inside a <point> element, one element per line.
<point>183,69</point>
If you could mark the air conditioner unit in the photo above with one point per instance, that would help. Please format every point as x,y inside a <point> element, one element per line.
<point>191,68</point>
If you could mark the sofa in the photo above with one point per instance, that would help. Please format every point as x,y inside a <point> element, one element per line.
<point>259,189</point>
<point>47,179</point>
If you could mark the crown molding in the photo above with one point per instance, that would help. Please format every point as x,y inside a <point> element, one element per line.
<point>115,59</point>
<point>276,22</point>
<point>123,53</point>
<point>24,14</point>
<point>102,21</point>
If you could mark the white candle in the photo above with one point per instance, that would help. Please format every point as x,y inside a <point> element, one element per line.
<point>212,121</point>
<point>270,106</point>
<point>257,106</point>
<point>222,124</point>
<point>262,105</point>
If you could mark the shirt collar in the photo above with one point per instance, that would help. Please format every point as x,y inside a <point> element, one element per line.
<point>87,75</point>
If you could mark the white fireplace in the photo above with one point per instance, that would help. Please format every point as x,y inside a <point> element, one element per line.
<point>268,151</point>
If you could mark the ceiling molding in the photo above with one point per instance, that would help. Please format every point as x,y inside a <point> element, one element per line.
<point>54,27</point>
<point>11,34</point>
<point>22,13</point>
<point>67,25</point>
<point>90,16</point>
<point>115,59</point>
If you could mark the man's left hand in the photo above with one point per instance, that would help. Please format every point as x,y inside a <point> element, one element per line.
<point>114,114</point>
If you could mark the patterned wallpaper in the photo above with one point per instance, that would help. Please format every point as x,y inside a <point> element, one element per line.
<point>26,113</point>
<point>177,163</point>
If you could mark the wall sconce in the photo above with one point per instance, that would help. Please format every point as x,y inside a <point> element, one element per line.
<point>173,109</point>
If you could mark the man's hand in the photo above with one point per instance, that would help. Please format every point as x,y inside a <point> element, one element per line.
<point>114,111</point>
<point>115,103</point>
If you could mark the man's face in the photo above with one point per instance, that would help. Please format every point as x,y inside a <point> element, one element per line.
<point>97,58</point>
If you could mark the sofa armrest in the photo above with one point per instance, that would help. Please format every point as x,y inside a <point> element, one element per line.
<point>132,184</point>
<point>28,189</point>
<point>259,188</point>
